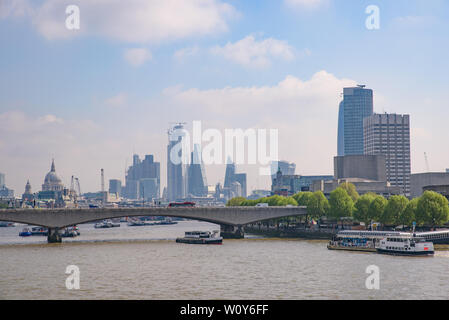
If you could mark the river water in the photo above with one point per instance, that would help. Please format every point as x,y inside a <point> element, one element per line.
<point>146,263</point>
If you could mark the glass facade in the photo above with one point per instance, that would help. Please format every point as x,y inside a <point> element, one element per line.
<point>357,104</point>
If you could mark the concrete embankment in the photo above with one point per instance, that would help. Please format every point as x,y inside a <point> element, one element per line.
<point>295,233</point>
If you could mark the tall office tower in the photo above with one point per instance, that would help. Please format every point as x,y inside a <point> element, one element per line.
<point>231,176</point>
<point>287,168</point>
<point>2,180</point>
<point>176,167</point>
<point>142,169</point>
<point>357,104</point>
<point>196,174</point>
<point>389,135</point>
<point>148,188</point>
<point>115,186</point>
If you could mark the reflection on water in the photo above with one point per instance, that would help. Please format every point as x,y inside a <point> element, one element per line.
<point>146,263</point>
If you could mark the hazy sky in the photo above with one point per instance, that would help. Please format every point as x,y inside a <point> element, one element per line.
<point>92,97</point>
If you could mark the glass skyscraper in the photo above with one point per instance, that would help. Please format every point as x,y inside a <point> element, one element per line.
<point>357,104</point>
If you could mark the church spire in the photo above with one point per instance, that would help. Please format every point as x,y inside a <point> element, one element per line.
<point>53,165</point>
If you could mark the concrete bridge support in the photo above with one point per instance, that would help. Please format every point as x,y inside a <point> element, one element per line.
<point>232,232</point>
<point>54,236</point>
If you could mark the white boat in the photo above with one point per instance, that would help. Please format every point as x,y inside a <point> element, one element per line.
<point>201,237</point>
<point>106,224</point>
<point>407,245</point>
<point>139,223</point>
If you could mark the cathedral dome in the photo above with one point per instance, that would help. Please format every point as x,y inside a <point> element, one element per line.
<point>52,182</point>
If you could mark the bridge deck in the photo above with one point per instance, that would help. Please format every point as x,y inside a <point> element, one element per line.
<point>234,216</point>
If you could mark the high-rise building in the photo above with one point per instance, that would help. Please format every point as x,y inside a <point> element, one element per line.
<point>231,176</point>
<point>4,191</point>
<point>389,135</point>
<point>115,186</point>
<point>176,165</point>
<point>197,182</point>
<point>447,170</point>
<point>141,169</point>
<point>357,104</point>
<point>148,188</point>
<point>287,168</point>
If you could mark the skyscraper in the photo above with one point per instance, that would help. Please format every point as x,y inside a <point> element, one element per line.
<point>142,169</point>
<point>231,177</point>
<point>357,104</point>
<point>197,183</point>
<point>2,180</point>
<point>115,186</point>
<point>176,167</point>
<point>389,135</point>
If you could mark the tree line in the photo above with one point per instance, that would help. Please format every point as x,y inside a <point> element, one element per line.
<point>431,209</point>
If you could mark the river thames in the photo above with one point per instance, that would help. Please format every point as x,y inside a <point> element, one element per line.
<point>146,263</point>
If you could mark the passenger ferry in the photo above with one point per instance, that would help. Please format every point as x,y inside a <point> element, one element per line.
<point>201,237</point>
<point>355,240</point>
<point>39,231</point>
<point>408,245</point>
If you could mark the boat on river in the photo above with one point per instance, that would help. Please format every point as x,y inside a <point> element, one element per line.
<point>405,245</point>
<point>139,223</point>
<point>201,237</point>
<point>39,231</point>
<point>7,224</point>
<point>26,232</point>
<point>105,224</point>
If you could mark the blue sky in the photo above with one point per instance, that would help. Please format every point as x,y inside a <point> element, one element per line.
<point>92,97</point>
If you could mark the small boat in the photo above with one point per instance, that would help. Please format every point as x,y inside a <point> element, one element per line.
<point>139,223</point>
<point>167,222</point>
<point>7,224</point>
<point>105,224</point>
<point>26,232</point>
<point>201,237</point>
<point>405,246</point>
<point>39,231</point>
<point>69,233</point>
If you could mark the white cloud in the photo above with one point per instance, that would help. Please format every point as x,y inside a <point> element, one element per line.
<point>253,53</point>
<point>117,101</point>
<point>137,56</point>
<point>135,21</point>
<point>304,111</point>
<point>186,52</point>
<point>310,4</point>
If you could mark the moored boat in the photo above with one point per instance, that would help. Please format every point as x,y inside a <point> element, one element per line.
<point>39,231</point>
<point>408,245</point>
<point>26,232</point>
<point>201,237</point>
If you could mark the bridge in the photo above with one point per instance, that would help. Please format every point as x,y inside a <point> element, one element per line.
<point>231,219</point>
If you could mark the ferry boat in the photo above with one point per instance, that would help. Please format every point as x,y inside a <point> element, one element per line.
<point>359,240</point>
<point>408,245</point>
<point>26,232</point>
<point>201,237</point>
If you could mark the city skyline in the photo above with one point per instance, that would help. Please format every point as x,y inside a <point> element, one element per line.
<point>103,95</point>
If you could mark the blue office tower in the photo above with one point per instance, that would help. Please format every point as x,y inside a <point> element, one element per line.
<point>357,104</point>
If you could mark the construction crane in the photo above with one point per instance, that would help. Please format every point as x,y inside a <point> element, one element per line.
<point>103,193</point>
<point>427,162</point>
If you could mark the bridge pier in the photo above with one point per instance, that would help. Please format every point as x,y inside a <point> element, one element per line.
<point>54,236</point>
<point>232,232</point>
